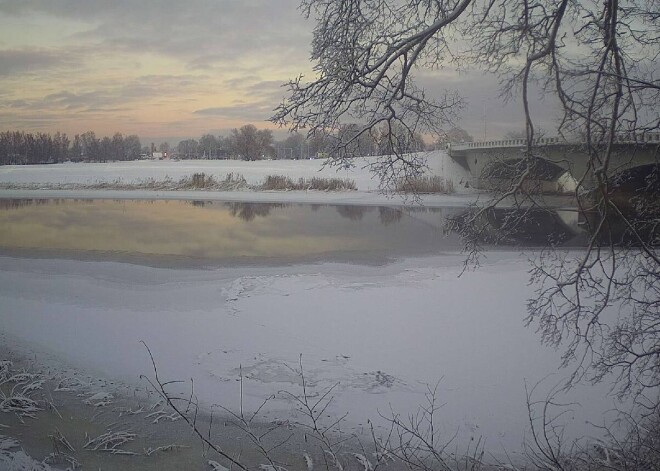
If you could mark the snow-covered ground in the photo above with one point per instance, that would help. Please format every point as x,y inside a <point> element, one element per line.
<point>438,162</point>
<point>382,333</point>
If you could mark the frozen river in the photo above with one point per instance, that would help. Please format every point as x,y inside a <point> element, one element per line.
<point>371,298</point>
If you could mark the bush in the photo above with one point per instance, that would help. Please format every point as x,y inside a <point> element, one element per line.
<point>277,182</point>
<point>426,184</point>
<point>200,180</point>
<point>281,182</point>
<point>332,184</point>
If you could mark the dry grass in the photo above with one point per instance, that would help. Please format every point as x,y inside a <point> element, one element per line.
<point>197,181</point>
<point>277,182</point>
<point>332,184</point>
<point>425,185</point>
<point>111,442</point>
<point>201,181</point>
<point>282,182</point>
<point>16,391</point>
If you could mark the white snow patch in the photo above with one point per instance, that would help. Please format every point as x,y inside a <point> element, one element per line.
<point>17,460</point>
<point>438,162</point>
<point>217,466</point>
<point>99,399</point>
<point>381,333</point>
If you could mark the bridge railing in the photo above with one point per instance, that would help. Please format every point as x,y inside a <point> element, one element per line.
<point>651,138</point>
<point>646,138</point>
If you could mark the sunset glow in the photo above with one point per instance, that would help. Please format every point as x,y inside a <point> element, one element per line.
<point>159,69</point>
<point>169,70</point>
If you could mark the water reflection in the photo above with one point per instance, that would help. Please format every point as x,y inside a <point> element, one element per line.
<point>6,204</point>
<point>539,227</point>
<point>523,227</point>
<point>215,233</point>
<point>629,228</point>
<point>353,213</point>
<point>249,211</point>
<point>389,216</point>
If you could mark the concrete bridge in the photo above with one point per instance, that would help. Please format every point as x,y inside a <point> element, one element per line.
<point>491,162</point>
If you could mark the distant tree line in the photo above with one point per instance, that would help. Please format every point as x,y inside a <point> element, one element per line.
<point>246,143</point>
<point>20,148</point>
<point>250,143</point>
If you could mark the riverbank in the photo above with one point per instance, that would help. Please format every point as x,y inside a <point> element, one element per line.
<point>71,420</point>
<point>254,172</point>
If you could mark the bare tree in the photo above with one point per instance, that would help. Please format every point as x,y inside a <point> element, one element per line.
<point>598,62</point>
<point>90,145</point>
<point>364,54</point>
<point>132,147</point>
<point>188,149</point>
<point>164,147</point>
<point>251,143</point>
<point>208,144</point>
<point>454,134</point>
<point>391,139</point>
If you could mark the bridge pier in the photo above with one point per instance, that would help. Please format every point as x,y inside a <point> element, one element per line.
<point>494,164</point>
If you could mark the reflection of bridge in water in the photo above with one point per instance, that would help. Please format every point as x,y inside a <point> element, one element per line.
<point>540,227</point>
<point>491,162</point>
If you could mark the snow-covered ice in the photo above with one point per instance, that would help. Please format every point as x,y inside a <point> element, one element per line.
<point>382,333</point>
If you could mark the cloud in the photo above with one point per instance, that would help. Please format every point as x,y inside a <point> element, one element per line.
<point>486,111</point>
<point>247,112</point>
<point>201,33</point>
<point>261,97</point>
<point>112,96</point>
<point>33,60</point>
<point>203,48</point>
<point>28,120</point>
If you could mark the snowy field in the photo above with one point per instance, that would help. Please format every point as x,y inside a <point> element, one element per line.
<point>382,333</point>
<point>438,162</point>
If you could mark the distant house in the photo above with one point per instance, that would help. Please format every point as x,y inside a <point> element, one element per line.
<point>158,155</point>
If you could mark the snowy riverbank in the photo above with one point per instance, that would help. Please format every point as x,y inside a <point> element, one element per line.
<point>438,163</point>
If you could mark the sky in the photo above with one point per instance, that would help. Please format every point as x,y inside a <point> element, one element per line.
<point>169,70</point>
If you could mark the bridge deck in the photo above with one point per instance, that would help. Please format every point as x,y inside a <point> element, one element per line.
<point>648,138</point>
<point>485,160</point>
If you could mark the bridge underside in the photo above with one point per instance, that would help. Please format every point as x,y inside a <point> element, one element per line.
<point>636,191</point>
<point>643,178</point>
<point>556,168</point>
<point>632,205</point>
<point>539,175</point>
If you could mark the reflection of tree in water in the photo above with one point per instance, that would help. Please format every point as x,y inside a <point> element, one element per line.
<point>249,211</point>
<point>15,204</point>
<point>423,209</point>
<point>354,213</point>
<point>389,215</point>
<point>22,203</point>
